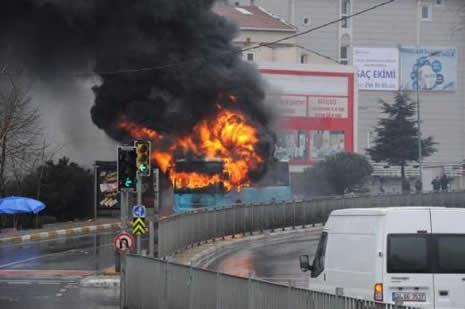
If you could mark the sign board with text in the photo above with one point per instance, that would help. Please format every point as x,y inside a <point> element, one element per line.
<point>316,110</point>
<point>328,107</point>
<point>377,68</point>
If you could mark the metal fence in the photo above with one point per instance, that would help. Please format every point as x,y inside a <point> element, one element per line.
<point>180,231</point>
<point>153,283</point>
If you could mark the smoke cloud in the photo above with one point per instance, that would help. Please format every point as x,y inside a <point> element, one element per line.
<point>164,64</point>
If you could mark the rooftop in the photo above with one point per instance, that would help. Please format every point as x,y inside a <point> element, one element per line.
<point>254,18</point>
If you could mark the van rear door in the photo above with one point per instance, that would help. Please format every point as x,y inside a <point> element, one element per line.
<point>408,277</point>
<point>448,227</point>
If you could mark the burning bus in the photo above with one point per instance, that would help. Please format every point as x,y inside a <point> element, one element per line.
<point>225,159</point>
<point>193,191</point>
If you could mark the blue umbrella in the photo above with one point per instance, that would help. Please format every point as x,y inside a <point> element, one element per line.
<point>15,205</point>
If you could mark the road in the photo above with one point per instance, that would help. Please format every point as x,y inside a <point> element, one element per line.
<point>271,259</point>
<point>46,274</point>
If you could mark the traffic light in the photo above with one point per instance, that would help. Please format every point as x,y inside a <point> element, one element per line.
<point>127,169</point>
<point>143,157</point>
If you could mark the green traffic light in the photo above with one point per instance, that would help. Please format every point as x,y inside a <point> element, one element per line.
<point>142,167</point>
<point>128,182</point>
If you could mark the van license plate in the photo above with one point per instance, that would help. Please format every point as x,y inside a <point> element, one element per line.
<point>409,296</point>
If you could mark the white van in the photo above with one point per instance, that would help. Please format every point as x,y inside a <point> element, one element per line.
<point>403,255</point>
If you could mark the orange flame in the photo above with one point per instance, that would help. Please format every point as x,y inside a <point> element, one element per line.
<point>228,137</point>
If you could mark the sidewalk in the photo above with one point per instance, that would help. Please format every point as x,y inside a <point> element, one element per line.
<point>58,230</point>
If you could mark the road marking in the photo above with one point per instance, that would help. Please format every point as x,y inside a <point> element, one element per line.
<point>41,274</point>
<point>59,294</point>
<point>20,282</point>
<point>49,282</point>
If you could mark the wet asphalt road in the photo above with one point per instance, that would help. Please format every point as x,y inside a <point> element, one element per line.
<point>274,260</point>
<point>46,274</point>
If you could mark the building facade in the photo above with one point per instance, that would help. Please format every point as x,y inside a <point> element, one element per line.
<point>412,29</point>
<point>257,26</point>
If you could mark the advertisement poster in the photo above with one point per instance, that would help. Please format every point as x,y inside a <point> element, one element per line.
<point>328,107</point>
<point>292,106</point>
<point>428,69</point>
<point>377,68</point>
<point>291,145</point>
<point>325,143</point>
<point>107,193</point>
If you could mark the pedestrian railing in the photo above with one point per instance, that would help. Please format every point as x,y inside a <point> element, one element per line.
<point>183,230</point>
<point>153,283</point>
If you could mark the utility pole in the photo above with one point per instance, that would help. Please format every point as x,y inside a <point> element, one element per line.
<point>420,155</point>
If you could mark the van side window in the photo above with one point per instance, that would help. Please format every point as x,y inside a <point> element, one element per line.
<point>319,261</point>
<point>409,253</point>
<point>449,253</point>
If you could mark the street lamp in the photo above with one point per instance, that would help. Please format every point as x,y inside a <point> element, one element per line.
<point>420,156</point>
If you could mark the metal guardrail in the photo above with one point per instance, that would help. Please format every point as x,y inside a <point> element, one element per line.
<point>183,230</point>
<point>154,283</point>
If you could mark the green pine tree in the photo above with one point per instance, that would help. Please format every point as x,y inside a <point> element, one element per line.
<point>397,135</point>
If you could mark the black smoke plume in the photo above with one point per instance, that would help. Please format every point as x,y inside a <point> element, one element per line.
<point>164,64</point>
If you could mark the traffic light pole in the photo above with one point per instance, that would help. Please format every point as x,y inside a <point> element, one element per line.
<point>156,188</point>
<point>139,202</point>
<point>124,227</point>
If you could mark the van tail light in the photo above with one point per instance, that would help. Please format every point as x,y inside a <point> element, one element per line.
<point>378,292</point>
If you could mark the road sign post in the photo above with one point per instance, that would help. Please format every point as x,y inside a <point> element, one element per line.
<point>122,243</point>
<point>139,202</point>
<point>156,189</point>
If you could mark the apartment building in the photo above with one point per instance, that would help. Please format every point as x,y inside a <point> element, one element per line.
<point>414,42</point>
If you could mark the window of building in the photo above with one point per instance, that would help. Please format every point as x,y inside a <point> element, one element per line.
<point>344,50</point>
<point>345,23</point>
<point>343,57</point>
<point>304,58</point>
<point>345,12</point>
<point>306,21</point>
<point>250,57</point>
<point>439,3</point>
<point>369,138</point>
<point>426,12</point>
<point>345,7</point>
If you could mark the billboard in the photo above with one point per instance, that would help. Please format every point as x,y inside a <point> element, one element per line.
<point>428,69</point>
<point>377,68</point>
<point>316,109</point>
<point>107,185</point>
<point>107,194</point>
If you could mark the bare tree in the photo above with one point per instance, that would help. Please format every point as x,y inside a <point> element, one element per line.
<point>20,130</point>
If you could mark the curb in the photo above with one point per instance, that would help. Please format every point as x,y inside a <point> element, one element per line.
<point>100,282</point>
<point>211,248</point>
<point>59,233</point>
